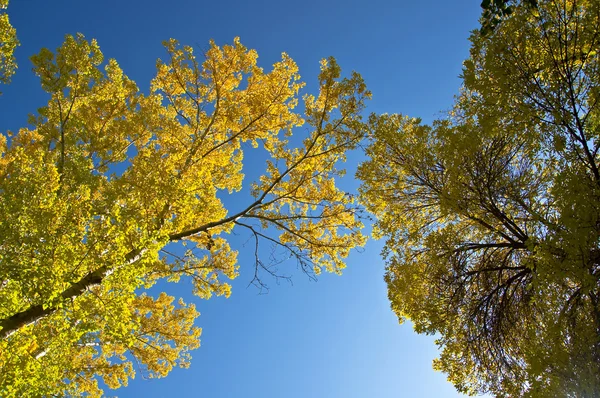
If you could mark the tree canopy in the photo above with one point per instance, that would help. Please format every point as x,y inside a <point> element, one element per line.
<point>492,214</point>
<point>101,192</point>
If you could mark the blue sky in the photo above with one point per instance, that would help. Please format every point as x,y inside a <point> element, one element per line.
<point>336,337</point>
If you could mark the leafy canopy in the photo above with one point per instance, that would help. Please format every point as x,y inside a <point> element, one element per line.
<point>95,194</point>
<point>492,215</point>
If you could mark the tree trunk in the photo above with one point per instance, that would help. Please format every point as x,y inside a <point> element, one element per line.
<point>36,312</point>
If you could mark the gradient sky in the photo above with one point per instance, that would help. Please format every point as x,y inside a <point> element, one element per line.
<point>333,338</point>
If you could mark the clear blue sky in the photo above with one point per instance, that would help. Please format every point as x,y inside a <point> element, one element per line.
<point>336,337</point>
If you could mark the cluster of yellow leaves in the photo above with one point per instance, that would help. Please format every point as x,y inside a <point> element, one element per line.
<point>491,216</point>
<point>8,43</point>
<point>96,195</point>
<point>155,336</point>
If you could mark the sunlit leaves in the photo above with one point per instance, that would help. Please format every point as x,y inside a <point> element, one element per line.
<point>99,193</point>
<point>8,43</point>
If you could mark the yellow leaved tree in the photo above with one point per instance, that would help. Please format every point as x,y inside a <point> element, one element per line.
<point>107,177</point>
<point>492,215</point>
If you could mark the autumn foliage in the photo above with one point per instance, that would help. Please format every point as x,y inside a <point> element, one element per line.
<point>492,214</point>
<point>8,43</point>
<point>98,195</point>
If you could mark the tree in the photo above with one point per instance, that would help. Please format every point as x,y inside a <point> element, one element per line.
<point>97,192</point>
<point>8,43</point>
<point>492,214</point>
